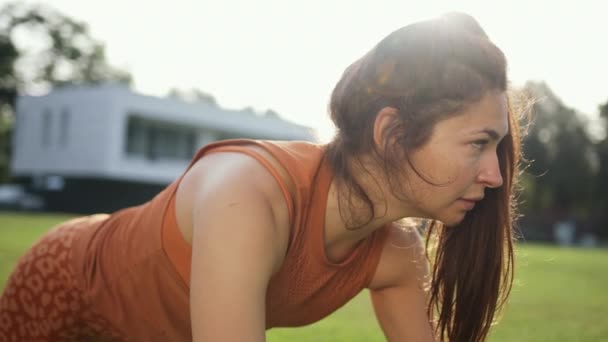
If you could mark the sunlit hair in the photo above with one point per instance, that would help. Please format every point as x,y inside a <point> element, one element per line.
<point>429,71</point>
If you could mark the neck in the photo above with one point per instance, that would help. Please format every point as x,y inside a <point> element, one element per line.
<point>347,218</point>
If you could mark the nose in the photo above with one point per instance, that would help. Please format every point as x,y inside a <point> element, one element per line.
<point>489,174</point>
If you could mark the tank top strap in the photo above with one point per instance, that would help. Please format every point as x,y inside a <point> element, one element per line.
<point>287,154</point>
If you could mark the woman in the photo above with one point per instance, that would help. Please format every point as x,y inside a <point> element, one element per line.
<point>260,234</point>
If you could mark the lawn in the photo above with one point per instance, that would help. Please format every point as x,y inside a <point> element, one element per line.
<point>560,294</point>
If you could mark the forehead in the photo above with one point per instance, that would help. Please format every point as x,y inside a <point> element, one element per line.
<point>490,113</point>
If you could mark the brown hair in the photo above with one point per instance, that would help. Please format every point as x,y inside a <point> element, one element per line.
<point>428,71</point>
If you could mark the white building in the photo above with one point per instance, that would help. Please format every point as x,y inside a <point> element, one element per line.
<point>109,142</point>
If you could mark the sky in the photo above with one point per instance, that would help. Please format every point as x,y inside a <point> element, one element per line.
<point>288,55</point>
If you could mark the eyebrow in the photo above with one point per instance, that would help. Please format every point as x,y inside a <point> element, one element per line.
<point>492,133</point>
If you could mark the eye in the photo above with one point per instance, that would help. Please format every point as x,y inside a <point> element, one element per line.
<point>480,144</point>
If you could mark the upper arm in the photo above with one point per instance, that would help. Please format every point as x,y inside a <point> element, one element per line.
<point>238,242</point>
<point>398,289</point>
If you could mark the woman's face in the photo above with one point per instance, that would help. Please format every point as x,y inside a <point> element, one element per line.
<point>459,161</point>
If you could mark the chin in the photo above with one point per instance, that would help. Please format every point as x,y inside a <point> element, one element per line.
<point>452,220</point>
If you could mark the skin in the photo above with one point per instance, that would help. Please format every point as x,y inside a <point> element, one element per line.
<point>233,190</point>
<point>458,162</point>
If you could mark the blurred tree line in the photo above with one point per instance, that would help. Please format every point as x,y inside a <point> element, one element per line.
<point>566,172</point>
<point>58,51</point>
<point>566,168</point>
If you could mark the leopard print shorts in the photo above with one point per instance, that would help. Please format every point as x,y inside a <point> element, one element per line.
<point>42,300</point>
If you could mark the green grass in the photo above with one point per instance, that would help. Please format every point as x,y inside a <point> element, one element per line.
<point>560,294</point>
<point>18,231</point>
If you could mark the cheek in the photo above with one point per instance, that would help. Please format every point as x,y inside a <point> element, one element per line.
<point>467,173</point>
<point>443,169</point>
<point>470,167</point>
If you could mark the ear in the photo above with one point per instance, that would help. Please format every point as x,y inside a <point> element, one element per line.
<point>387,117</point>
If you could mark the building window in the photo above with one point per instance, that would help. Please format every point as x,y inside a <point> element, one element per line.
<point>136,140</point>
<point>154,140</point>
<point>64,133</point>
<point>45,134</point>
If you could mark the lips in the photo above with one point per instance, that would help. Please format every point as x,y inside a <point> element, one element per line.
<point>473,199</point>
<point>468,204</point>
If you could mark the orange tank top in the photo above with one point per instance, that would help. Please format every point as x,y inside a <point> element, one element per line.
<point>135,266</point>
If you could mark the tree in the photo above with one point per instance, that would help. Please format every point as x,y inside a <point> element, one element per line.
<point>601,188</point>
<point>271,113</point>
<point>69,55</point>
<point>604,111</point>
<point>8,93</point>
<point>563,158</point>
<point>193,96</point>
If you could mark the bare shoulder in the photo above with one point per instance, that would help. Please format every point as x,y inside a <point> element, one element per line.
<point>235,175</point>
<point>239,221</point>
<point>403,260</point>
<point>232,169</point>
